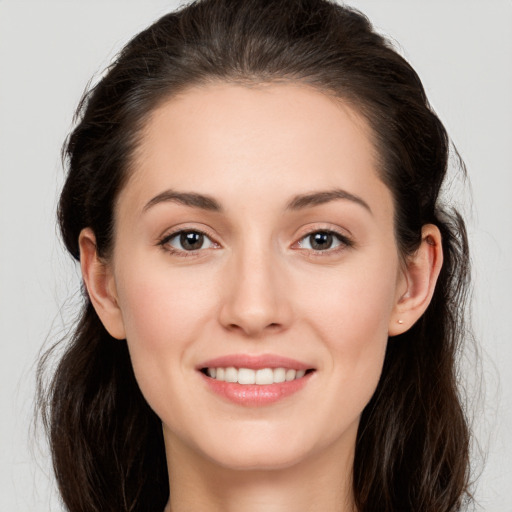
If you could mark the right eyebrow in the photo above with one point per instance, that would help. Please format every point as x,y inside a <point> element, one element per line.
<point>191,199</point>
<point>322,197</point>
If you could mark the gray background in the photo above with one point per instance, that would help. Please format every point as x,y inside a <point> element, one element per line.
<point>462,50</point>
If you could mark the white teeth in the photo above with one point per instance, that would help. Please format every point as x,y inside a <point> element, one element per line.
<point>231,374</point>
<point>263,376</point>
<point>290,375</point>
<point>279,375</point>
<point>246,376</point>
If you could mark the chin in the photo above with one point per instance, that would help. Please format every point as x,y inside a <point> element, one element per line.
<point>259,460</point>
<point>265,450</point>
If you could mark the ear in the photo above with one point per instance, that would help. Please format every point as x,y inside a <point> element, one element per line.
<point>419,280</point>
<point>99,281</point>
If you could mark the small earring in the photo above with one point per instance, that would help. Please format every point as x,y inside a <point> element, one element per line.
<point>400,322</point>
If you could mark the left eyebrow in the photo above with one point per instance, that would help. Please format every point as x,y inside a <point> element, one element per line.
<point>322,197</point>
<point>185,198</point>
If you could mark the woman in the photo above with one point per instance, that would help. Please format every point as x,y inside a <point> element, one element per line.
<point>273,287</point>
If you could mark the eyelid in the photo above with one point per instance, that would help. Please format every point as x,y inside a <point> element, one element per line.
<point>163,240</point>
<point>346,241</point>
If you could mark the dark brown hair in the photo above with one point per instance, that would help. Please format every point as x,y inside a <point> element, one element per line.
<point>413,440</point>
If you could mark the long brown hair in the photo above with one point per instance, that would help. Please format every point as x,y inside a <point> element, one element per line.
<point>412,451</point>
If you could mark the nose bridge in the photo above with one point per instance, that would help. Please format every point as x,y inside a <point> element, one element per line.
<point>254,300</point>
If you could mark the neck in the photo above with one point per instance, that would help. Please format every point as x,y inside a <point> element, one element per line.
<point>319,483</point>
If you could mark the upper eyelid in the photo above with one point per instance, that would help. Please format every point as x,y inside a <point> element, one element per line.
<point>343,233</point>
<point>164,243</point>
<point>323,230</point>
<point>169,235</point>
<point>345,240</point>
<point>340,236</point>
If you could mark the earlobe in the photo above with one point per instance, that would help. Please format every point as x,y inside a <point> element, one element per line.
<point>420,275</point>
<point>100,284</point>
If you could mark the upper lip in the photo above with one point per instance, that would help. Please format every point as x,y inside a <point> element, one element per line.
<point>254,362</point>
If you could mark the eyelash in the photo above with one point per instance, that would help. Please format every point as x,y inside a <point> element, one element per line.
<point>344,242</point>
<point>164,242</point>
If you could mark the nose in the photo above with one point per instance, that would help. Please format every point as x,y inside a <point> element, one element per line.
<point>254,295</point>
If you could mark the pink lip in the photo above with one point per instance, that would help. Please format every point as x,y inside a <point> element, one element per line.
<point>254,362</point>
<point>255,395</point>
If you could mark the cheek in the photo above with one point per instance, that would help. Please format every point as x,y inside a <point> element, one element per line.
<point>159,302</point>
<point>350,313</point>
<point>352,302</point>
<point>164,313</point>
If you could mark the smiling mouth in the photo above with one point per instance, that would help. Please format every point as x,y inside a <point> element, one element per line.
<point>262,376</point>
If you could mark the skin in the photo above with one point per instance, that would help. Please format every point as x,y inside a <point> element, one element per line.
<point>257,287</point>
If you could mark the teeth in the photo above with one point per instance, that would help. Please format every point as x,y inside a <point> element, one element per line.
<point>248,376</point>
<point>290,375</point>
<point>231,374</point>
<point>279,375</point>
<point>264,376</point>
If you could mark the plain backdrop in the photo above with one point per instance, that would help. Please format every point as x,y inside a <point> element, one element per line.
<point>49,50</point>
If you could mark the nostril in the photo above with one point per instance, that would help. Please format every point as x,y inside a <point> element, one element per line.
<point>253,329</point>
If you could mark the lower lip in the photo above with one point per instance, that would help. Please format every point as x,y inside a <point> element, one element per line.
<point>256,395</point>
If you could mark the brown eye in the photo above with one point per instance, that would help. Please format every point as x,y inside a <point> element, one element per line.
<point>191,240</point>
<point>187,241</point>
<point>323,241</point>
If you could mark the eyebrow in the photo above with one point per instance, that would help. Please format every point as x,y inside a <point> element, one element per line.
<point>322,197</point>
<point>299,202</point>
<point>186,198</point>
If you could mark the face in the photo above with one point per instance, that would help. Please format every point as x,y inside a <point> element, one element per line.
<point>255,234</point>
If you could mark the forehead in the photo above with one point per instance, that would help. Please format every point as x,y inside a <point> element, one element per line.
<point>260,142</point>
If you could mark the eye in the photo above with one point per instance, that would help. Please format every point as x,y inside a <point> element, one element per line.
<point>187,241</point>
<point>324,241</point>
